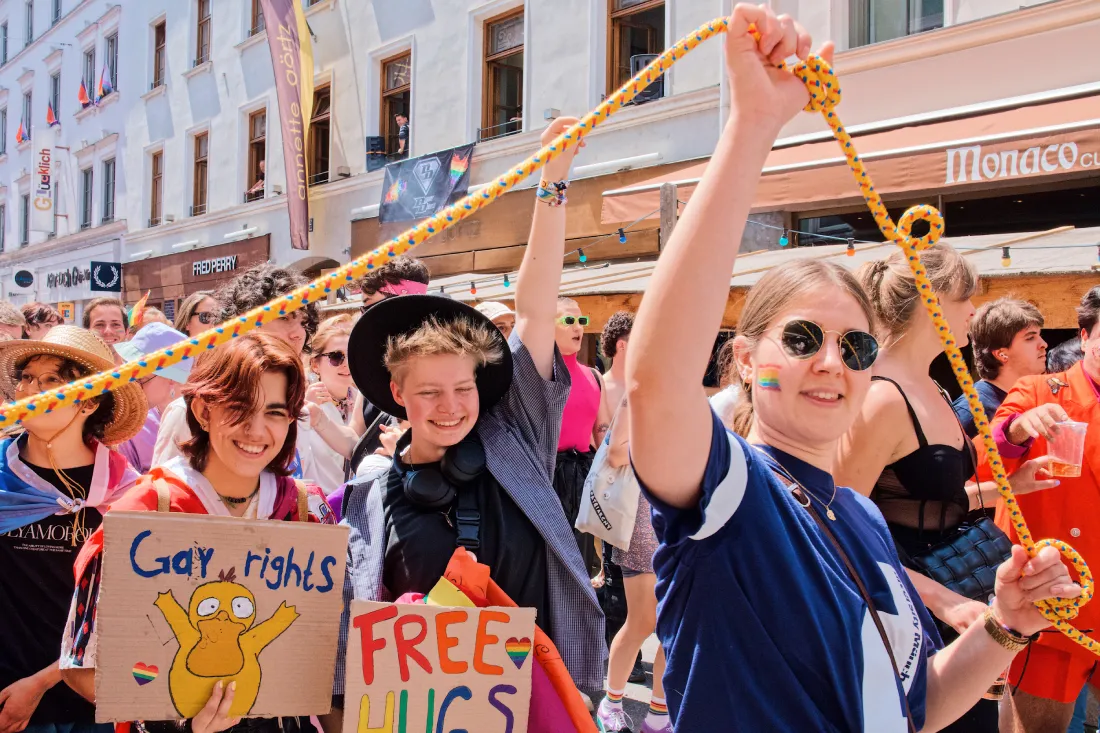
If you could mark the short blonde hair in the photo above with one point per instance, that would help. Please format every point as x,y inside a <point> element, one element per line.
<point>479,341</point>
<point>329,329</point>
<point>10,315</point>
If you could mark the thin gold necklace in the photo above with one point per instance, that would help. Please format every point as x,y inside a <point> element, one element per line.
<point>827,507</point>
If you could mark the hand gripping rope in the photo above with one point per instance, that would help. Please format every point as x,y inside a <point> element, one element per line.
<point>824,96</point>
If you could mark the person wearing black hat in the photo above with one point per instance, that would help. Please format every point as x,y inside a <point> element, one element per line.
<point>475,468</point>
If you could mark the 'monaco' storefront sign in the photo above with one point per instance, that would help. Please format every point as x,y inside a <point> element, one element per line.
<point>973,163</point>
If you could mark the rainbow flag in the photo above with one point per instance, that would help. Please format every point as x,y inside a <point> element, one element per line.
<point>459,164</point>
<point>82,95</point>
<point>21,135</point>
<point>395,191</point>
<point>137,313</point>
<point>51,118</point>
<point>104,87</point>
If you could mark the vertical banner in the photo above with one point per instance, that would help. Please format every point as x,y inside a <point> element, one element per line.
<point>288,37</point>
<point>42,203</point>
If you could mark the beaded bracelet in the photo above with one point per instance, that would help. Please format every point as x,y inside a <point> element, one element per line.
<point>552,194</point>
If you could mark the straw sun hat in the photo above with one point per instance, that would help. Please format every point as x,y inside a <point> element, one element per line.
<point>89,351</point>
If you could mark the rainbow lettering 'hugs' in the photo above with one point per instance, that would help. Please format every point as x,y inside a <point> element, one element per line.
<point>767,377</point>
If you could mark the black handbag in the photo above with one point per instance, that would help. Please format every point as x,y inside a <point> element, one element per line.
<point>967,561</point>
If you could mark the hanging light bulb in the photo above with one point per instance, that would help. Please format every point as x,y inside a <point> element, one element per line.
<point>1006,257</point>
<point>851,251</point>
<point>784,241</point>
<point>581,255</point>
<point>507,282</point>
<point>622,236</point>
<point>473,288</point>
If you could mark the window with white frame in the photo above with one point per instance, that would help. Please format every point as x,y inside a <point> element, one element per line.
<point>503,81</point>
<point>203,30</point>
<point>55,93</point>
<point>25,220</point>
<point>89,74</point>
<point>108,191</point>
<point>55,14</point>
<point>28,27</point>
<point>156,187</point>
<point>3,133</point>
<point>873,21</point>
<point>160,40</point>
<point>110,49</point>
<point>200,174</point>
<point>86,180</point>
<point>4,42</point>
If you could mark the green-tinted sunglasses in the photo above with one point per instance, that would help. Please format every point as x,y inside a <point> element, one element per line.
<point>570,320</point>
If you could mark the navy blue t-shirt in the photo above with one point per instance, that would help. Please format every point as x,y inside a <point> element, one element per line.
<point>990,395</point>
<point>762,625</point>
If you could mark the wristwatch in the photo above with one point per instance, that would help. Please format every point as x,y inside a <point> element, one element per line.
<point>1010,639</point>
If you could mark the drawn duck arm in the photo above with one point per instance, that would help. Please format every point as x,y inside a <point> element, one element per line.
<point>266,632</point>
<point>186,634</point>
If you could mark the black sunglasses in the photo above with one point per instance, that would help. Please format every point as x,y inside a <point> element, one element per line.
<point>207,318</point>
<point>802,339</point>
<point>335,358</point>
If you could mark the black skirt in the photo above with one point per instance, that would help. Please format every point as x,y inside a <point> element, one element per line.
<point>570,473</point>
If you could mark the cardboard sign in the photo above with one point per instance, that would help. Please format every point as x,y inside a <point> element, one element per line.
<point>413,667</point>
<point>188,600</point>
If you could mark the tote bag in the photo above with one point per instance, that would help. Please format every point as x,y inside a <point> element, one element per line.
<point>609,502</point>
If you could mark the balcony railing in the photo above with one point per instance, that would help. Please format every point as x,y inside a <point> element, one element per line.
<point>158,82</point>
<point>154,221</point>
<point>200,60</point>
<point>504,129</point>
<point>319,178</point>
<point>257,29</point>
<point>86,224</point>
<point>198,209</point>
<point>253,195</point>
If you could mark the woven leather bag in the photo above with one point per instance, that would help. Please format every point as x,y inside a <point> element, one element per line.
<point>967,561</point>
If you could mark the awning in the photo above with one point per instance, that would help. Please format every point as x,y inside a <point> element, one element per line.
<point>997,149</point>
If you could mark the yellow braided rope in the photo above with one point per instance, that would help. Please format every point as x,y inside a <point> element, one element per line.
<point>824,96</point>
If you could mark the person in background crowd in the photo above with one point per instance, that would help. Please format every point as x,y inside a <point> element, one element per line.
<point>258,186</point>
<point>198,313</point>
<point>1005,335</point>
<point>61,460</point>
<point>907,450</point>
<point>1046,684</point>
<point>12,321</point>
<point>641,604</point>
<point>40,319</point>
<point>161,388</point>
<point>152,315</point>
<point>251,289</point>
<point>501,315</point>
<point>106,318</point>
<point>402,134</point>
<point>1064,355</point>
<point>724,401</point>
<point>584,423</point>
<point>613,343</point>
<point>466,393</point>
<point>765,626</point>
<point>329,402</point>
<point>247,392</point>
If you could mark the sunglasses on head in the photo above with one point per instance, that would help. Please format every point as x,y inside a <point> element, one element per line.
<point>207,319</point>
<point>335,358</point>
<point>802,339</point>
<point>571,320</point>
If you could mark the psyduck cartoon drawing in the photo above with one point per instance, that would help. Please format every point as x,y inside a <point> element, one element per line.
<point>219,642</point>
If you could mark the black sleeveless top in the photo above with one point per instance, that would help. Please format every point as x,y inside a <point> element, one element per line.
<point>927,485</point>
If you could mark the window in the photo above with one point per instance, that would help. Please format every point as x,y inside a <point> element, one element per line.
<point>257,153</point>
<point>503,85</point>
<point>202,32</point>
<point>3,134</point>
<point>3,225</point>
<point>257,23</point>
<point>3,43</point>
<point>872,21</point>
<point>110,48</point>
<point>319,136</point>
<point>396,100</point>
<point>55,94</point>
<point>637,27</point>
<point>89,74</point>
<point>27,113</point>
<point>202,150</point>
<point>28,29</point>
<point>108,191</point>
<point>25,220</point>
<point>156,190</point>
<point>55,15</point>
<point>159,40</point>
<point>86,198</point>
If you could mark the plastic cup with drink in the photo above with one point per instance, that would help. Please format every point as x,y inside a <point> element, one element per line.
<point>1066,448</point>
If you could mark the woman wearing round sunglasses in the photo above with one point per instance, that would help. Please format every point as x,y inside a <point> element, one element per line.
<point>329,402</point>
<point>764,564</point>
<point>583,424</point>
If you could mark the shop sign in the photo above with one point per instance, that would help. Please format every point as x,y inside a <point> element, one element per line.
<point>74,277</point>
<point>216,264</point>
<point>66,310</point>
<point>24,279</point>
<point>971,163</point>
<point>107,277</point>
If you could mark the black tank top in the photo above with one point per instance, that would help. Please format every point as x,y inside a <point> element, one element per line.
<point>933,474</point>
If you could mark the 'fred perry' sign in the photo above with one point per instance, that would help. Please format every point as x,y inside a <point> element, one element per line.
<point>218,264</point>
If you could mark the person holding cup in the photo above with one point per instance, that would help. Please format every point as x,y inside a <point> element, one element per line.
<point>1052,416</point>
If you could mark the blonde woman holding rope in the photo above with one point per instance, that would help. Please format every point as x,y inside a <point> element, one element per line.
<point>754,530</point>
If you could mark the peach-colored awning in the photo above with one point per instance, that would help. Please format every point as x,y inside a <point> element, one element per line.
<point>1056,139</point>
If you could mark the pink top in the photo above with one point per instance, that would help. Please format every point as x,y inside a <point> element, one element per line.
<point>582,409</point>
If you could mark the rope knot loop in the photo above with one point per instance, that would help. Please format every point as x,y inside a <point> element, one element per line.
<point>922,212</point>
<point>822,84</point>
<point>1067,609</point>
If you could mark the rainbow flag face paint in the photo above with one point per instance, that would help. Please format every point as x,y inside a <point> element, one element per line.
<point>767,377</point>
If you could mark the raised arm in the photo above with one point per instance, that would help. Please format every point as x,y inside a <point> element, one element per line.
<point>691,284</point>
<point>176,617</point>
<point>266,632</point>
<point>540,272</point>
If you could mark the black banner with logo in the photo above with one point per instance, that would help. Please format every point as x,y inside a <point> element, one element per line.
<point>416,189</point>
<point>106,277</point>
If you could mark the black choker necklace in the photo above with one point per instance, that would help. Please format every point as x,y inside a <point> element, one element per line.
<point>237,502</point>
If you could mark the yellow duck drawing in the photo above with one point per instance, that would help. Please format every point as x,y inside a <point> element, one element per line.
<point>218,642</point>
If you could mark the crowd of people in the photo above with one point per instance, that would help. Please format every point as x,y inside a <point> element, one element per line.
<point>785,544</point>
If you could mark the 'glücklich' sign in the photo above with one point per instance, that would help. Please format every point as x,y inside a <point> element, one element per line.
<point>412,667</point>
<point>189,600</point>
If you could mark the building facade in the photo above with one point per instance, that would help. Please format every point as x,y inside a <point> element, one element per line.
<point>177,162</point>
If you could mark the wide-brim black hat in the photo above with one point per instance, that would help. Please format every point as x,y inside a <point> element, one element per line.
<point>404,314</point>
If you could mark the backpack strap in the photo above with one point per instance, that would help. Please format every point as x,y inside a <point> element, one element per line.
<point>303,500</point>
<point>163,495</point>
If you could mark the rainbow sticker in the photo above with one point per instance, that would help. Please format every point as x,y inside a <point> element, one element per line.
<point>767,377</point>
<point>145,673</point>
<point>518,649</point>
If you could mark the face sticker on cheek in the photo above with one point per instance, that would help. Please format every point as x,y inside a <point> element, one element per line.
<point>767,377</point>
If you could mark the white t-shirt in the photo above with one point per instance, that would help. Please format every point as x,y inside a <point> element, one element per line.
<point>320,463</point>
<point>173,431</point>
<point>725,403</point>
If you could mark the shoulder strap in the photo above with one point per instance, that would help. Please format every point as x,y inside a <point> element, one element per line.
<point>598,376</point>
<point>303,500</point>
<point>163,495</point>
<point>871,608</point>
<point>921,440</point>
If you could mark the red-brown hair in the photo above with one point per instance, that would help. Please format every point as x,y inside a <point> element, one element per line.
<point>229,376</point>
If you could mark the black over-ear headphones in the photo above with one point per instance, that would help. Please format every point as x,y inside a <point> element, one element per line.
<point>433,488</point>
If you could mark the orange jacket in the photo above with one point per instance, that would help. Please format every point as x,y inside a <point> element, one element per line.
<point>1071,511</point>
